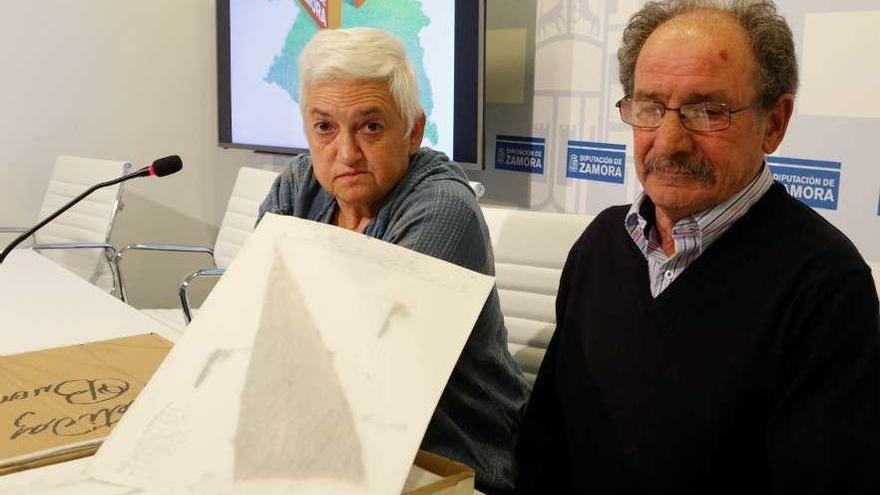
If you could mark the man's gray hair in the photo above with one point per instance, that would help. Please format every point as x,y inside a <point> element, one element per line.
<point>361,54</point>
<point>768,33</point>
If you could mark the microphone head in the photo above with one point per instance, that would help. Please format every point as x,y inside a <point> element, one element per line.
<point>166,166</point>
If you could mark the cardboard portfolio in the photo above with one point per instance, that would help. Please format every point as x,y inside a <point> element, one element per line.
<point>430,475</point>
<point>433,474</point>
<point>59,404</point>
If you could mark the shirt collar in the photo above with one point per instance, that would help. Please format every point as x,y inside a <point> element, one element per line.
<point>710,223</point>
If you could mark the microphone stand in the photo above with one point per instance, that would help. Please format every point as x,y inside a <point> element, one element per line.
<point>18,240</point>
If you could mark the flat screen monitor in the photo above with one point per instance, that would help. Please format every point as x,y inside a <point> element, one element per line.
<point>259,41</point>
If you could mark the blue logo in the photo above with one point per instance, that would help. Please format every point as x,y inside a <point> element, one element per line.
<point>519,154</point>
<point>596,161</point>
<point>813,182</point>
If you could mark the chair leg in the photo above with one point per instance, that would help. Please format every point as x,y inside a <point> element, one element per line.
<point>184,300</point>
<point>113,262</point>
<point>184,287</point>
<point>117,264</point>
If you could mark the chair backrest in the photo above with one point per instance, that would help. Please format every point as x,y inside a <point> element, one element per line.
<point>250,189</point>
<point>530,250</point>
<point>89,221</point>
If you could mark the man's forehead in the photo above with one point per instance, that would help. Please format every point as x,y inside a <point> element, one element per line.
<point>702,56</point>
<point>705,30</point>
<point>691,21</point>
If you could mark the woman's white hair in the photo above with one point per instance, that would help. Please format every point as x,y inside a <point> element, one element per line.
<point>361,54</point>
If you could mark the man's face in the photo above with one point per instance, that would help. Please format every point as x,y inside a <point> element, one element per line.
<point>358,141</point>
<point>698,58</point>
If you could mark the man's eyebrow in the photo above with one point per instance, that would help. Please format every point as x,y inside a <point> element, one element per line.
<point>696,97</point>
<point>641,95</point>
<point>710,97</point>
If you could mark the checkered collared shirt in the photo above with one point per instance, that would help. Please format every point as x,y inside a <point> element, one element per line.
<point>692,235</point>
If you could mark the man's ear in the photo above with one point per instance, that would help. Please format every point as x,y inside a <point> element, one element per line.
<point>776,122</point>
<point>416,134</point>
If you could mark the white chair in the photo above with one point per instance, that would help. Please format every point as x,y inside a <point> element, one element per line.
<point>79,239</point>
<point>530,250</point>
<point>250,189</point>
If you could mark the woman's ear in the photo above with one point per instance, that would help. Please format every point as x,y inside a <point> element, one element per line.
<point>416,134</point>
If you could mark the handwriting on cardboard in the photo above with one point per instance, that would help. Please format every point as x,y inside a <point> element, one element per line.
<point>78,391</point>
<point>31,423</point>
<point>69,398</point>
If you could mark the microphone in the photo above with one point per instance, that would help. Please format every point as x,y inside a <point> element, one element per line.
<point>159,168</point>
<point>165,166</point>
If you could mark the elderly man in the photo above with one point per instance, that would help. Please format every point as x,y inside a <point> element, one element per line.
<point>716,336</point>
<point>366,172</point>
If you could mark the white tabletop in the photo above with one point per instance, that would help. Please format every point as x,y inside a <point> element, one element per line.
<point>42,305</point>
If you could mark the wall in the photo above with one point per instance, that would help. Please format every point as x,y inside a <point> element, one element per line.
<point>552,78</point>
<point>131,80</point>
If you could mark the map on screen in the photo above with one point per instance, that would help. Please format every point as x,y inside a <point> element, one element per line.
<point>267,36</point>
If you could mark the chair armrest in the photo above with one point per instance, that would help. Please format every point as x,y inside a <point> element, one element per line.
<point>167,248</point>
<point>75,245</point>
<point>172,248</point>
<point>184,287</point>
<point>110,252</point>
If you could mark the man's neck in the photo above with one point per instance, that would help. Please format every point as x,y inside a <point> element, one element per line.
<point>662,221</point>
<point>665,220</point>
<point>663,224</point>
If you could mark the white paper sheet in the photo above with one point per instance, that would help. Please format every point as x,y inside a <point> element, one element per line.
<point>66,478</point>
<point>313,367</point>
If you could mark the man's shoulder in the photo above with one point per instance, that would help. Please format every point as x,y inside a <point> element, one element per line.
<point>613,214</point>
<point>802,229</point>
<point>805,251</point>
<point>605,234</point>
<point>608,221</point>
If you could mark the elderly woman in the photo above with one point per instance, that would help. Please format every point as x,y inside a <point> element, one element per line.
<point>366,172</point>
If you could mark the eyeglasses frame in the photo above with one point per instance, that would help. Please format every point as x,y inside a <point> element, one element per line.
<point>730,113</point>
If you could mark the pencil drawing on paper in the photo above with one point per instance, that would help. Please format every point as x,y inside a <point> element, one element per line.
<point>302,399</point>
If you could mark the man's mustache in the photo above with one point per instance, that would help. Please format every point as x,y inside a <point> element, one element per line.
<point>682,164</point>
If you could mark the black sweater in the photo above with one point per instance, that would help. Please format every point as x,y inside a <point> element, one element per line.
<point>756,371</point>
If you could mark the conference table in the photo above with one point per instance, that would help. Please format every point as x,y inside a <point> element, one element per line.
<point>43,305</point>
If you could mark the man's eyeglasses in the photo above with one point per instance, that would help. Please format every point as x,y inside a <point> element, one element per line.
<point>699,117</point>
